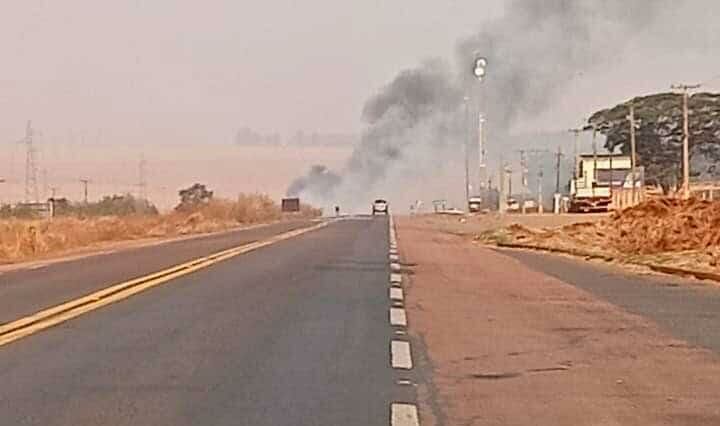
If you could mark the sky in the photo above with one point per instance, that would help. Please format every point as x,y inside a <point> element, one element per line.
<point>194,72</point>
<point>111,82</point>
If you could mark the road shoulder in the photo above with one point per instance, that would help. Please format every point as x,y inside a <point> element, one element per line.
<point>511,345</point>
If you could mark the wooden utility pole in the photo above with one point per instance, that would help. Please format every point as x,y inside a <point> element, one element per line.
<point>633,151</point>
<point>594,149</point>
<point>502,196</point>
<point>686,139</point>
<point>577,132</point>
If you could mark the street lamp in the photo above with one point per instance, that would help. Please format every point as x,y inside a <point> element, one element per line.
<point>479,68</point>
<point>479,71</point>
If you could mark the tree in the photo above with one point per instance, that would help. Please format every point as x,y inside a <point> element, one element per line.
<point>193,197</point>
<point>659,134</point>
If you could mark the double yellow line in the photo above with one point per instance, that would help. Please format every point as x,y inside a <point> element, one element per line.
<point>55,315</point>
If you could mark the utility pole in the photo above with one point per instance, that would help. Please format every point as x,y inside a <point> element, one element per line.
<point>502,196</point>
<point>523,177</point>
<point>31,184</point>
<point>539,191</point>
<point>576,132</point>
<point>633,150</point>
<point>85,186</point>
<point>594,149</point>
<point>466,144</point>
<point>685,88</point>
<point>142,179</point>
<point>558,160</point>
<point>508,172</point>
<point>482,168</point>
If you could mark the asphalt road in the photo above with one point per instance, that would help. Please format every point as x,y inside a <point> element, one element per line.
<point>26,291</point>
<point>687,309</point>
<point>295,333</point>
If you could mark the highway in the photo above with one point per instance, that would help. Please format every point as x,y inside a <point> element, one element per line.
<point>292,333</point>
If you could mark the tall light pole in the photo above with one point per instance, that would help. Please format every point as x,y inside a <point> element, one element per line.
<point>479,71</point>
<point>466,101</point>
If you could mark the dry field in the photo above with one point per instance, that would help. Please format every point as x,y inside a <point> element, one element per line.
<point>22,240</point>
<point>664,232</point>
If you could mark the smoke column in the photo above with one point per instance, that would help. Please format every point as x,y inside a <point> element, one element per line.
<point>412,145</point>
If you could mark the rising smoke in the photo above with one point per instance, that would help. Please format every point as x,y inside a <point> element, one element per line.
<point>412,145</point>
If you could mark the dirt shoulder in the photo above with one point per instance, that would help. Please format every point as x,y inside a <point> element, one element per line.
<point>512,346</point>
<point>475,225</point>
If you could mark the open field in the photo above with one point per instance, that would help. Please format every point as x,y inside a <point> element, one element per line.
<point>22,240</point>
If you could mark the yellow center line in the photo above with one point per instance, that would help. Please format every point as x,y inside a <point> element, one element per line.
<point>55,315</point>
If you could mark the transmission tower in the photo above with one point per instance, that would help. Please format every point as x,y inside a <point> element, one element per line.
<point>31,181</point>
<point>142,179</point>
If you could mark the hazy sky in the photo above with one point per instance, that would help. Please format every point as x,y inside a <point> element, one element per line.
<point>190,71</point>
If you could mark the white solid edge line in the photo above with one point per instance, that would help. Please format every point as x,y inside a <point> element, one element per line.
<point>395,278</point>
<point>398,317</point>
<point>400,355</point>
<point>396,293</point>
<point>404,415</point>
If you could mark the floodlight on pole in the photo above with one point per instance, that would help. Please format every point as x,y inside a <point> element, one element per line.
<point>479,69</point>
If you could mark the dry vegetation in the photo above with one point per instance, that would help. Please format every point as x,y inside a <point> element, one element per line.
<point>668,232</point>
<point>28,239</point>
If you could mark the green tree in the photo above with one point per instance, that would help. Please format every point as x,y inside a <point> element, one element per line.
<point>194,197</point>
<point>659,134</point>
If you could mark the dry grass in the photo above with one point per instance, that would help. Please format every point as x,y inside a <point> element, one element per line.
<point>669,232</point>
<point>29,239</point>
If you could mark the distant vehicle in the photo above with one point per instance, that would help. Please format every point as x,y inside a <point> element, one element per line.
<point>475,204</point>
<point>530,204</point>
<point>453,211</point>
<point>513,205</point>
<point>379,207</point>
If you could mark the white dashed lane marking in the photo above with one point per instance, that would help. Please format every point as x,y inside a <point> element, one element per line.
<point>396,294</point>
<point>403,415</point>
<point>395,267</point>
<point>398,317</point>
<point>395,278</point>
<point>400,355</point>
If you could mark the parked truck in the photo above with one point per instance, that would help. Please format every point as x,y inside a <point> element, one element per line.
<point>595,178</point>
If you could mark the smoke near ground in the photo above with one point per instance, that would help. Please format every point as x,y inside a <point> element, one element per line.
<point>412,145</point>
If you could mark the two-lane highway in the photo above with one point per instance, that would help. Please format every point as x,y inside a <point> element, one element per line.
<point>295,333</point>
